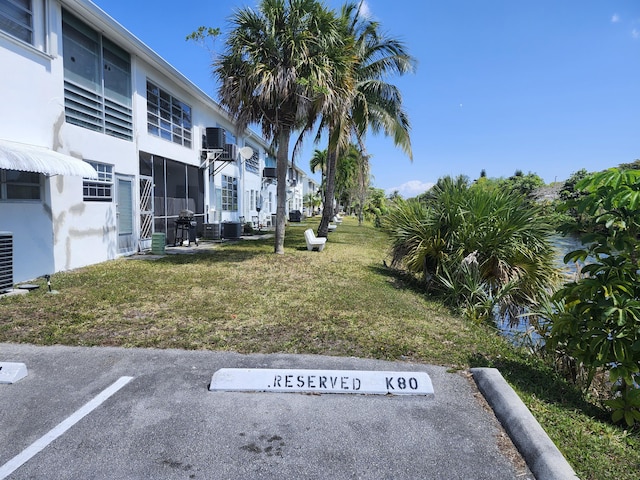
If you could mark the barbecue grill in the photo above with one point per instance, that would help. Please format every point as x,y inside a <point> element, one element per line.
<point>185,228</point>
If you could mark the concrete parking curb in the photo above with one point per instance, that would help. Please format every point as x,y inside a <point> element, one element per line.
<point>542,456</point>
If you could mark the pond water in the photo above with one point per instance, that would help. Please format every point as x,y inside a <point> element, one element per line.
<point>521,332</point>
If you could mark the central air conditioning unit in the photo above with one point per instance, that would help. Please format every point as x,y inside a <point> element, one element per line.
<point>6,261</point>
<point>230,153</point>
<point>214,138</point>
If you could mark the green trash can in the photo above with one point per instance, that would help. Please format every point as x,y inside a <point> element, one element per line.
<point>158,242</point>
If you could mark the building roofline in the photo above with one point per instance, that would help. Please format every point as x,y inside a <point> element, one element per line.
<point>116,31</point>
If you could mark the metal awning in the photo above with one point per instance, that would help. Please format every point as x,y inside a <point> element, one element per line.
<point>31,158</point>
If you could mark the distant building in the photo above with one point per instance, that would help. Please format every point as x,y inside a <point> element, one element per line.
<point>103,143</point>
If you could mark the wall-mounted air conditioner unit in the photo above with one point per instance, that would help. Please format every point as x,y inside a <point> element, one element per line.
<point>230,153</point>
<point>6,261</point>
<point>269,172</point>
<point>215,138</point>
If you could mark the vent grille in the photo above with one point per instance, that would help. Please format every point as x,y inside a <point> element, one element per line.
<point>230,152</point>
<point>6,261</point>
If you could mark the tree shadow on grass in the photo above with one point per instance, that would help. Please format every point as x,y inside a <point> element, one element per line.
<point>402,280</point>
<point>540,380</point>
<point>238,252</point>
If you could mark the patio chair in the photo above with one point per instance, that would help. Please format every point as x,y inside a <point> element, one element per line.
<point>313,242</point>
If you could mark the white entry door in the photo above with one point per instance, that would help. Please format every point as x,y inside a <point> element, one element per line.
<point>124,214</point>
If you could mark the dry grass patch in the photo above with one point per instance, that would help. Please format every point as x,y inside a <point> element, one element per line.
<point>242,297</point>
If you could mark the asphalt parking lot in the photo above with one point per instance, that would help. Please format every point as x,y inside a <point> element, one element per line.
<point>114,413</point>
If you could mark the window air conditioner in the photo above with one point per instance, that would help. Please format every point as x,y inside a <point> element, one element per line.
<point>215,138</point>
<point>269,172</point>
<point>230,152</point>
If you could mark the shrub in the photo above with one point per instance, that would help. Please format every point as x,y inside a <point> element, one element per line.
<point>480,248</point>
<point>598,319</point>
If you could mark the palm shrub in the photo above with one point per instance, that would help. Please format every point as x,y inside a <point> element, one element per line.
<point>486,251</point>
<point>597,321</point>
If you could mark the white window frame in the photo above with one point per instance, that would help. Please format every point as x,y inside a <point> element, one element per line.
<point>100,189</point>
<point>36,26</point>
<point>229,193</point>
<point>168,117</point>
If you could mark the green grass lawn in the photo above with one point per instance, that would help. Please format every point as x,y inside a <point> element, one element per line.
<point>342,301</point>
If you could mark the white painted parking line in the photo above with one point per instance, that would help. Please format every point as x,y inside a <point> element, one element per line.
<point>39,445</point>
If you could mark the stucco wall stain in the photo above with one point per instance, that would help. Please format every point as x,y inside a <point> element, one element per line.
<point>91,232</point>
<point>59,183</point>
<point>77,234</point>
<point>58,143</point>
<point>58,222</point>
<point>46,208</point>
<point>77,209</point>
<point>57,128</point>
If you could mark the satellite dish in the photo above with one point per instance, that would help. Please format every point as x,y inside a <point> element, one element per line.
<point>246,152</point>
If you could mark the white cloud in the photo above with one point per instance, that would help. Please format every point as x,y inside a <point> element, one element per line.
<point>410,189</point>
<point>365,11</point>
<point>615,18</point>
<point>635,33</point>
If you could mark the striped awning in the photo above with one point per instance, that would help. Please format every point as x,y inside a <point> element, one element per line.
<point>32,158</point>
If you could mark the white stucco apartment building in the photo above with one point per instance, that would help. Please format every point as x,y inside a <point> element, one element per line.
<point>103,143</point>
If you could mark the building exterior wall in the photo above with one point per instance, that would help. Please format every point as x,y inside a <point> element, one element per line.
<point>66,229</point>
<point>62,230</point>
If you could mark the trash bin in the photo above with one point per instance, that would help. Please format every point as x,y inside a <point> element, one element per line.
<point>158,242</point>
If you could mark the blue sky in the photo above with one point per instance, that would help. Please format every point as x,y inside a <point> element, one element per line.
<point>541,86</point>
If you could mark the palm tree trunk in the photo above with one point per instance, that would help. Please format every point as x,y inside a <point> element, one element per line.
<point>329,193</point>
<point>282,163</point>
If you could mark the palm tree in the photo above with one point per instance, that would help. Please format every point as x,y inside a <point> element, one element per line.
<point>319,162</point>
<point>362,98</point>
<point>279,62</point>
<point>363,180</point>
<point>346,174</point>
<point>352,178</point>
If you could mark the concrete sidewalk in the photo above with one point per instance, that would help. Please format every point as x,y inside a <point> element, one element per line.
<point>164,423</point>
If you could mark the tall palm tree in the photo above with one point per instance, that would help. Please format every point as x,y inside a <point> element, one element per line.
<point>363,99</point>
<point>319,162</point>
<point>363,181</point>
<point>347,166</point>
<point>278,62</point>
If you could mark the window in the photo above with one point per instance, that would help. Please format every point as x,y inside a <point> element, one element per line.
<point>24,21</point>
<point>168,117</point>
<point>270,162</point>
<point>229,193</point>
<point>16,19</point>
<point>253,164</point>
<point>100,190</point>
<point>16,185</point>
<point>97,81</point>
